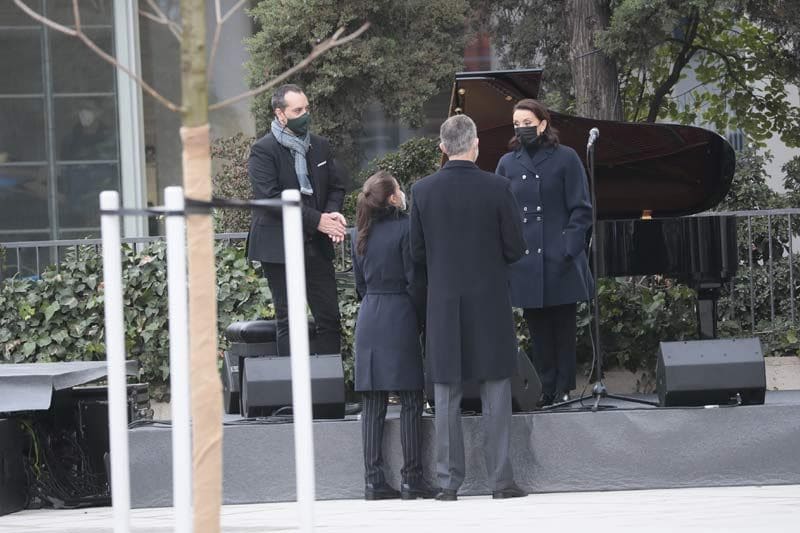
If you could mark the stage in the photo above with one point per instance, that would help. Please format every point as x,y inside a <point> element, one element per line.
<point>624,448</point>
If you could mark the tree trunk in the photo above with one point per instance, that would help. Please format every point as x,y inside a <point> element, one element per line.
<point>206,388</point>
<point>593,73</point>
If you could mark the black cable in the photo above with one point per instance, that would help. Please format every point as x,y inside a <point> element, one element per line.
<point>279,410</point>
<point>58,469</point>
<point>193,206</point>
<point>260,421</point>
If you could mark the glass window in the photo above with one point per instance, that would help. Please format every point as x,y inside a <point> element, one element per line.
<point>79,187</point>
<point>22,130</point>
<point>76,68</point>
<point>20,61</point>
<point>85,128</point>
<point>23,197</point>
<point>11,15</point>
<point>93,12</point>
<point>161,68</point>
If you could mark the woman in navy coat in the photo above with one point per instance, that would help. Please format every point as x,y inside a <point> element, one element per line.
<point>549,182</point>
<point>388,355</point>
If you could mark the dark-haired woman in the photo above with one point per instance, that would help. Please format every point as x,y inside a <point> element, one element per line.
<point>550,185</point>
<point>388,353</point>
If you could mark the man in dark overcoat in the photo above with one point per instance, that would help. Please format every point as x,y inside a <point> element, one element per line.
<point>290,157</point>
<point>466,230</point>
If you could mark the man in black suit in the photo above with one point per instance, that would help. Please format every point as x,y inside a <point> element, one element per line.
<point>290,157</point>
<point>467,230</point>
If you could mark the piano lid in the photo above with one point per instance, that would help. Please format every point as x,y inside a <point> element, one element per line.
<point>667,169</point>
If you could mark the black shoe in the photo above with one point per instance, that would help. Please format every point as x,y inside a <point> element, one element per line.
<point>446,495</point>
<point>509,492</point>
<point>544,400</point>
<point>380,491</point>
<point>418,489</point>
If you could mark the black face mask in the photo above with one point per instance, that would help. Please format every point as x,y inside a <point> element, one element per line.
<point>299,125</point>
<point>528,136</point>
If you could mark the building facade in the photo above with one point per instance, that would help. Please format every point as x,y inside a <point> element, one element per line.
<point>71,125</point>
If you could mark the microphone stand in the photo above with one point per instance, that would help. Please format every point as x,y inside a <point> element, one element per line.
<point>599,390</point>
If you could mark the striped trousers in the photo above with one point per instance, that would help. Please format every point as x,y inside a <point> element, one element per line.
<point>373,415</point>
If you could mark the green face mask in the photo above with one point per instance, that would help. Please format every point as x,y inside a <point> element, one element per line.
<point>299,125</point>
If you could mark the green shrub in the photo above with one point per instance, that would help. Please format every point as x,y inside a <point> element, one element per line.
<point>232,181</point>
<point>60,316</point>
<point>414,159</point>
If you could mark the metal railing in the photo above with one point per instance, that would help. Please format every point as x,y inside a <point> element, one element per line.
<point>767,242</point>
<point>31,258</point>
<point>768,264</point>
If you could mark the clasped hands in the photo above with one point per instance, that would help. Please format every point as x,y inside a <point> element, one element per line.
<point>333,225</point>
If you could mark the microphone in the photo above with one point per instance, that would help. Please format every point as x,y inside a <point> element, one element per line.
<point>594,133</point>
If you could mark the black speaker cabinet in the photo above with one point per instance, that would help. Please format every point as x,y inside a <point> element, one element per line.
<point>266,386</point>
<point>91,402</point>
<point>526,388</point>
<point>230,382</point>
<point>232,362</point>
<point>13,482</point>
<point>251,338</point>
<point>711,372</point>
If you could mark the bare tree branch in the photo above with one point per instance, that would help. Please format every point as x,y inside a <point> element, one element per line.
<point>97,50</point>
<point>221,19</point>
<point>76,13</point>
<point>44,20</point>
<point>161,18</point>
<point>319,49</point>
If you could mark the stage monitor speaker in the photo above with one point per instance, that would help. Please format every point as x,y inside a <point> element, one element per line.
<point>267,386</point>
<point>13,481</point>
<point>230,382</point>
<point>711,372</point>
<point>526,388</point>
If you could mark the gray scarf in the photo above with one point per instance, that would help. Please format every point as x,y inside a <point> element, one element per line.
<point>299,147</point>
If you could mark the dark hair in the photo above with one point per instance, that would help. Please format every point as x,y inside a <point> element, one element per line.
<point>279,96</point>
<point>549,135</point>
<point>372,200</point>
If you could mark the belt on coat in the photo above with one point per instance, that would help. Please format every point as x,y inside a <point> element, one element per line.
<point>386,291</point>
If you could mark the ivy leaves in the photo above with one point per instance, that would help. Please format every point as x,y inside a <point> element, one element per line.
<point>59,317</point>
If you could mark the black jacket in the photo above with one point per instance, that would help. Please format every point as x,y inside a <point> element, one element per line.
<point>271,170</point>
<point>466,229</point>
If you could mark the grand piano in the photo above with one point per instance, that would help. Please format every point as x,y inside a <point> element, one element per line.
<point>650,180</point>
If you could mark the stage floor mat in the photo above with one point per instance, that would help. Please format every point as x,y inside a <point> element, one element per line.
<point>622,448</point>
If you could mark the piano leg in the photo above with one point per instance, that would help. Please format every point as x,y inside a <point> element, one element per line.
<point>707,312</point>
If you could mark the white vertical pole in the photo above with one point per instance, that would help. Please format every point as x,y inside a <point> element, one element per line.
<point>115,358</point>
<point>301,372</point>
<point>179,361</point>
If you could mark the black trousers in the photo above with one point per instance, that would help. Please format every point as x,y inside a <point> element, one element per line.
<point>553,332</point>
<point>373,415</point>
<point>322,299</point>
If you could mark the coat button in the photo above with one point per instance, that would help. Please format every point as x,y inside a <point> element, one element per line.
<point>525,208</point>
<point>524,219</point>
<point>537,176</point>
<point>527,252</point>
<point>538,219</point>
<point>538,250</point>
<point>524,177</point>
<point>538,208</point>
